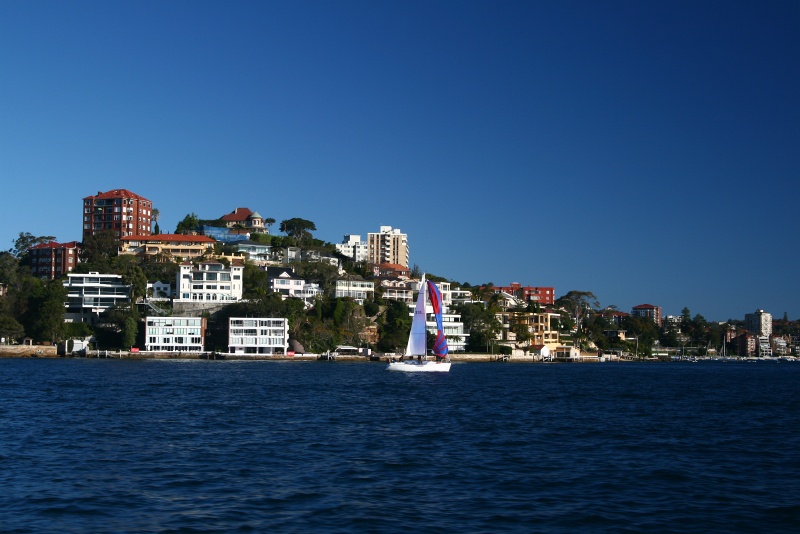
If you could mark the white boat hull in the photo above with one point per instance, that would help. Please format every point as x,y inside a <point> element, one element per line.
<point>417,367</point>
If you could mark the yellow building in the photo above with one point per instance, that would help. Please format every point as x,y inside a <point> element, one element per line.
<point>174,246</point>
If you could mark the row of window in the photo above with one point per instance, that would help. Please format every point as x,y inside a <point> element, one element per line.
<point>176,340</point>
<point>170,321</point>
<point>206,276</point>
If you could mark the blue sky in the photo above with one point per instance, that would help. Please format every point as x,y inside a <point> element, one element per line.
<point>648,152</point>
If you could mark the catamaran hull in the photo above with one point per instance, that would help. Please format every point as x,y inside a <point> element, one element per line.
<point>416,367</point>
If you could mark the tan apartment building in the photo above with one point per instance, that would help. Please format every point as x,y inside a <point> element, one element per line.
<point>176,246</point>
<point>387,246</point>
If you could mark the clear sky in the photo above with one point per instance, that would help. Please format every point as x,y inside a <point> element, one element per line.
<point>647,151</point>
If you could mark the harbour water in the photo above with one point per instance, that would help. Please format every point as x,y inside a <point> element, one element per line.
<point>233,446</point>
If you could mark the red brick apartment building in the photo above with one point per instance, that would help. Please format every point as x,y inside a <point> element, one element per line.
<point>120,211</point>
<point>53,260</point>
<point>545,296</point>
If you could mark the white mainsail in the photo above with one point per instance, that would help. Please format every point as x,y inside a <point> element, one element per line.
<point>419,333</point>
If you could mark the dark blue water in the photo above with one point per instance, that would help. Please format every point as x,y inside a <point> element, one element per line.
<point>199,446</point>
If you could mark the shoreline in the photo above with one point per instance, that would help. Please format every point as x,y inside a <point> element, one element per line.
<point>45,351</point>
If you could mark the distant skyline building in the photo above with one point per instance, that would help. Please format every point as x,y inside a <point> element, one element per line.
<point>649,311</point>
<point>389,245</point>
<point>759,323</point>
<point>119,211</point>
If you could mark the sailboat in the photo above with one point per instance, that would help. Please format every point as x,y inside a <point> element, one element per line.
<point>416,357</point>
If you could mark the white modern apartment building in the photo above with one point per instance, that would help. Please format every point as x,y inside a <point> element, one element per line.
<point>759,323</point>
<point>356,288</point>
<point>90,295</point>
<point>387,246</point>
<point>210,281</point>
<point>258,335</point>
<point>353,247</point>
<point>174,334</point>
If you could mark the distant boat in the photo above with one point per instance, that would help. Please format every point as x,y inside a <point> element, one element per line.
<point>417,350</point>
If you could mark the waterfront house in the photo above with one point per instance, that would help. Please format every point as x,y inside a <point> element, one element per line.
<point>258,335</point>
<point>174,334</point>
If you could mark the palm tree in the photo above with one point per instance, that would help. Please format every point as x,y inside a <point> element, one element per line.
<point>269,221</point>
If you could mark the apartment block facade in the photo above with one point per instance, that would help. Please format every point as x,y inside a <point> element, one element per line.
<point>210,281</point>
<point>649,311</point>
<point>258,335</point>
<point>759,323</point>
<point>119,211</point>
<point>174,334</point>
<point>353,247</point>
<point>356,288</point>
<point>90,295</point>
<point>388,245</point>
<point>53,260</point>
<point>544,296</point>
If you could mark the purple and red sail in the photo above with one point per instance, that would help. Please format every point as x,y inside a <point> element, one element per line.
<point>440,346</point>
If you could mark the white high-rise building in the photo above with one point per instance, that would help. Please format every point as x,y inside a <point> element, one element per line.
<point>388,246</point>
<point>759,323</point>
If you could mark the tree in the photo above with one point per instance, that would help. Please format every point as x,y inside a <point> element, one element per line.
<point>10,328</point>
<point>394,326</point>
<point>46,312</point>
<point>155,214</point>
<point>26,241</point>
<point>98,251</point>
<point>300,229</point>
<point>269,221</point>
<point>254,282</point>
<point>644,330</point>
<point>482,324</point>
<point>188,225</point>
<point>578,304</point>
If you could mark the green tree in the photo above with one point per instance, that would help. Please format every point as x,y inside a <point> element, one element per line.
<point>298,228</point>
<point>155,214</point>
<point>189,224</point>
<point>99,250</point>
<point>10,328</point>
<point>482,324</point>
<point>394,326</point>
<point>578,304</point>
<point>269,221</point>
<point>26,241</point>
<point>644,330</point>
<point>46,314</point>
<point>254,282</point>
